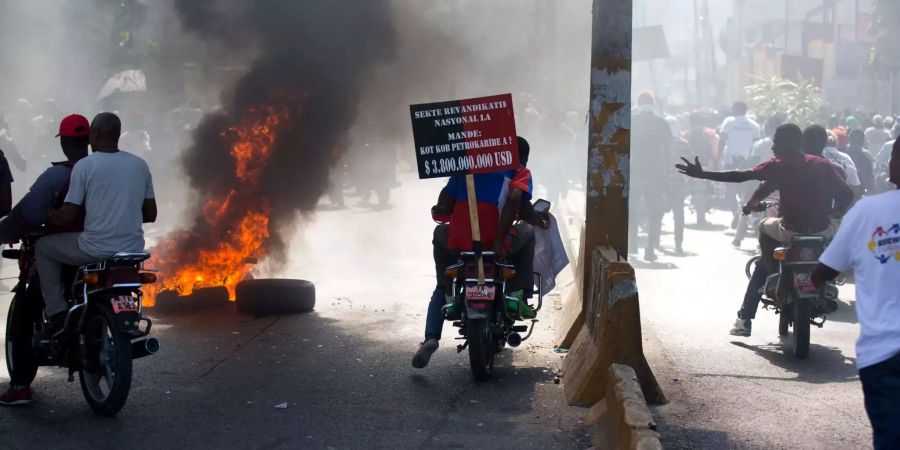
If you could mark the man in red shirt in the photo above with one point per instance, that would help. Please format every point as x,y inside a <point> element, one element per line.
<point>811,192</point>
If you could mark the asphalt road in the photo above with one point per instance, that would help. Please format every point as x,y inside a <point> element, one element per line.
<point>344,370</point>
<point>733,392</point>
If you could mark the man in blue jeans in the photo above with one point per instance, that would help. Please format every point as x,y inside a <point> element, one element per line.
<point>869,241</point>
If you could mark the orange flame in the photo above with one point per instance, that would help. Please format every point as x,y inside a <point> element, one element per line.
<point>238,221</point>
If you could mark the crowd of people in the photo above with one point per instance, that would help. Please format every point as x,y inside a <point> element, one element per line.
<point>839,181</point>
<point>735,140</point>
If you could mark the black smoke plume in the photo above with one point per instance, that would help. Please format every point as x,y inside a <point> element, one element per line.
<point>311,58</point>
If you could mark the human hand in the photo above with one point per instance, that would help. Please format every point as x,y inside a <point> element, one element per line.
<point>542,220</point>
<point>693,170</point>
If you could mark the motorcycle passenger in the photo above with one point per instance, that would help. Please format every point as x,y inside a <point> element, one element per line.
<point>500,197</point>
<point>811,192</point>
<point>30,213</point>
<point>115,191</point>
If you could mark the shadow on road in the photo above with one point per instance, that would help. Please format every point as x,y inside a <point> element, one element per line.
<point>824,364</point>
<point>846,313</point>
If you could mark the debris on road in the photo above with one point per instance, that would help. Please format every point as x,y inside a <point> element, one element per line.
<point>281,406</point>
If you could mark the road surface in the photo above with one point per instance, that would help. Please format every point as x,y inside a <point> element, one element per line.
<point>344,370</point>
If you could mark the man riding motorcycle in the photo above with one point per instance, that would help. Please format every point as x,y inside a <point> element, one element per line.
<point>114,190</point>
<point>30,213</point>
<point>502,197</point>
<point>811,192</point>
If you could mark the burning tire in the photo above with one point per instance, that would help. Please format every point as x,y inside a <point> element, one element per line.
<point>275,296</point>
<point>201,299</point>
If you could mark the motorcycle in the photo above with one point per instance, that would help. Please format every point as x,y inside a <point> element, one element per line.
<point>792,295</point>
<point>103,332</point>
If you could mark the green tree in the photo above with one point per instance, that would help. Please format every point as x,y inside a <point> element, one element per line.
<point>798,101</point>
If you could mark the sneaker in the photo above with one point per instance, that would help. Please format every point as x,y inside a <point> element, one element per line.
<point>16,396</point>
<point>741,327</point>
<point>54,325</point>
<point>650,255</point>
<point>426,349</point>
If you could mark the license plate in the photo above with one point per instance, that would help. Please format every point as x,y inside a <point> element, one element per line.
<point>480,293</point>
<point>124,303</point>
<point>803,281</point>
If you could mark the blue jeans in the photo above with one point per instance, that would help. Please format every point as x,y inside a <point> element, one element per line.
<point>521,255</point>
<point>752,296</point>
<point>881,388</point>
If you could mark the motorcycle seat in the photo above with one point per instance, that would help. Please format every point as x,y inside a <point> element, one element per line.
<point>125,258</point>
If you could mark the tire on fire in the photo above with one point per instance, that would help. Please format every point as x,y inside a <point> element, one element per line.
<point>269,296</point>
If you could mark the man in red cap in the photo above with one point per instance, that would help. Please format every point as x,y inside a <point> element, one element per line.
<point>30,214</point>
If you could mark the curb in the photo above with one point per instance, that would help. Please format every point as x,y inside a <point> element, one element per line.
<point>622,420</point>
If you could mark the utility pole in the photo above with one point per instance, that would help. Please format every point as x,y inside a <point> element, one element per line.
<point>609,147</point>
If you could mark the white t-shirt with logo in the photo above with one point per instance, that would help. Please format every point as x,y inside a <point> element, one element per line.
<point>869,241</point>
<point>740,133</point>
<point>112,187</point>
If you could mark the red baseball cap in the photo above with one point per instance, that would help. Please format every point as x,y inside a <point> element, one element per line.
<point>74,125</point>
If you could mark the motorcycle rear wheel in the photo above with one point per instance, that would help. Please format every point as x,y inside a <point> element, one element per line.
<point>20,329</point>
<point>800,313</point>
<point>107,380</point>
<point>481,348</point>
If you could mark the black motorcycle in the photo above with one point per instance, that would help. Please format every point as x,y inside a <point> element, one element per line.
<point>484,311</point>
<point>104,329</point>
<point>792,294</point>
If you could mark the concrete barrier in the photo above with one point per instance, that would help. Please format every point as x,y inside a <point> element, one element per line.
<point>571,318</point>
<point>633,424</point>
<point>622,420</point>
<point>610,334</point>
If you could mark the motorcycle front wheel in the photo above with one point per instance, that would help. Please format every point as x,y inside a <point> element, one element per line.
<point>481,348</point>
<point>800,317</point>
<point>106,378</point>
<point>20,329</point>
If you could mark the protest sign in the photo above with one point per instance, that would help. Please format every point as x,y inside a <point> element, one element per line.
<point>465,137</point>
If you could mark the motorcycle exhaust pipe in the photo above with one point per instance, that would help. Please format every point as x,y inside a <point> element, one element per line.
<point>514,339</point>
<point>145,347</point>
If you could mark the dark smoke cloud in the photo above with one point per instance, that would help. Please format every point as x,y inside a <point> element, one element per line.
<point>312,58</point>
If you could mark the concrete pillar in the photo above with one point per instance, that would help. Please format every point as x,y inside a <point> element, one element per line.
<point>610,131</point>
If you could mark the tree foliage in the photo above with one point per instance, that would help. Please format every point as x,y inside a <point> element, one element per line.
<point>798,101</point>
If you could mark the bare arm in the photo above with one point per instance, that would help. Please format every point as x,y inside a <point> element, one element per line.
<point>65,216</point>
<point>695,170</point>
<point>843,196</point>
<point>762,192</point>
<point>822,275</point>
<point>510,210</point>
<point>148,210</point>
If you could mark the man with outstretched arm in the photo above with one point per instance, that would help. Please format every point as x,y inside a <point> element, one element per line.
<point>869,242</point>
<point>811,191</point>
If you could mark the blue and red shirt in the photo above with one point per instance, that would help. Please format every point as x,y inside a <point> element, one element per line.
<point>491,191</point>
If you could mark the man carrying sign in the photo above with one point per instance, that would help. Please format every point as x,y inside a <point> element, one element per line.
<point>501,198</point>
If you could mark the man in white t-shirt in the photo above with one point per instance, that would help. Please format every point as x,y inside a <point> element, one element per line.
<point>115,190</point>
<point>869,241</point>
<point>737,135</point>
